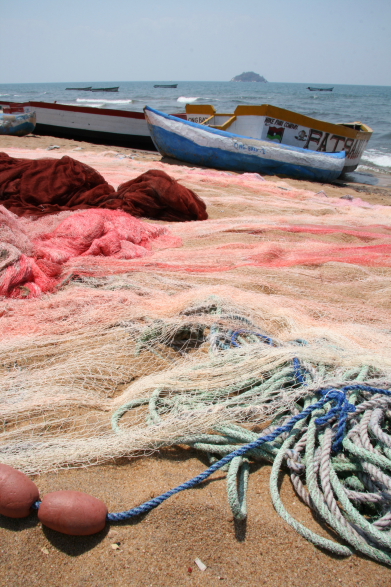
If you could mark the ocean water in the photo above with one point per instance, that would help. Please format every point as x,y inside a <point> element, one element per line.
<point>368,104</point>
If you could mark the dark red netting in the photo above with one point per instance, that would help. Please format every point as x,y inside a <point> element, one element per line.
<point>155,194</point>
<point>47,186</point>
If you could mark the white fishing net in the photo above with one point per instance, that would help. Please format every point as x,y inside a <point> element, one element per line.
<point>130,355</point>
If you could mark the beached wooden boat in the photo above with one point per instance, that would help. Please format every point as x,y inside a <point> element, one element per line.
<point>212,147</point>
<point>320,89</point>
<point>285,127</point>
<point>18,125</point>
<point>100,125</point>
<point>165,86</point>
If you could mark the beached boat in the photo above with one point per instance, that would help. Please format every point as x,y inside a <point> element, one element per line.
<point>165,86</point>
<point>277,125</point>
<point>114,89</point>
<point>211,147</point>
<point>100,125</point>
<point>320,89</point>
<point>18,125</point>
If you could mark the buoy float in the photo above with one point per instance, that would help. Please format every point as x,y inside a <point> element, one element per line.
<point>73,512</point>
<point>17,493</point>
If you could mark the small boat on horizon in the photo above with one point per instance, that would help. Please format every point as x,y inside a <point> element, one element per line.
<point>165,86</point>
<point>114,89</point>
<point>80,89</point>
<point>320,89</point>
<point>91,89</point>
<point>200,144</point>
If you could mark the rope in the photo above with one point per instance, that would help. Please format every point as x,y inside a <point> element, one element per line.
<point>335,441</point>
<point>320,442</point>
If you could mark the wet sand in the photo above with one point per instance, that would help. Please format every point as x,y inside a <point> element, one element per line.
<point>159,549</point>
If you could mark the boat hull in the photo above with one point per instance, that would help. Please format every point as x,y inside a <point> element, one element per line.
<point>18,125</point>
<point>199,145</point>
<point>100,125</point>
<point>280,126</point>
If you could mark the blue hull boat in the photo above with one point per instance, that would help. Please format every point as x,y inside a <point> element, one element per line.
<point>209,147</point>
<point>18,125</point>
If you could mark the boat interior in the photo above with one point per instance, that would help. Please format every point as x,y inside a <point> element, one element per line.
<point>249,121</point>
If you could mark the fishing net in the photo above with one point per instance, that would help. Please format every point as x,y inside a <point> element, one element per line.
<point>198,337</point>
<point>93,233</point>
<point>46,186</point>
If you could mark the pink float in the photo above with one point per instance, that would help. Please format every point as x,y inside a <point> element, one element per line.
<point>73,512</point>
<point>17,493</point>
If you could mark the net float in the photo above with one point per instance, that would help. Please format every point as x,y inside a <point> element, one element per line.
<point>17,493</point>
<point>73,512</point>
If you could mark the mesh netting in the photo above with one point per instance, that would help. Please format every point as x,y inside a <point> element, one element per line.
<point>201,334</point>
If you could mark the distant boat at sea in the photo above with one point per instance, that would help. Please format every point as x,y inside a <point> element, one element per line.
<point>320,89</point>
<point>80,89</point>
<point>91,89</point>
<point>114,89</point>
<point>165,86</point>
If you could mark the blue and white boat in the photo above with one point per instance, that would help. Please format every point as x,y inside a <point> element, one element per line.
<point>210,147</point>
<point>18,125</point>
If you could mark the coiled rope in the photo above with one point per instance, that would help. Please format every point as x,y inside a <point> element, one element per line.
<point>337,452</point>
<point>335,443</point>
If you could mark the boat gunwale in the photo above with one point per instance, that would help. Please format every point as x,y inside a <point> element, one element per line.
<point>296,118</point>
<point>81,109</point>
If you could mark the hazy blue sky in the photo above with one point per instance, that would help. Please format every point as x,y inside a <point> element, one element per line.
<point>310,41</point>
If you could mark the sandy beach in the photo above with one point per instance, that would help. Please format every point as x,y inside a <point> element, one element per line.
<point>160,548</point>
<point>373,194</point>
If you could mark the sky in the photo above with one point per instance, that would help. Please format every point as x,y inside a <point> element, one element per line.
<point>306,41</point>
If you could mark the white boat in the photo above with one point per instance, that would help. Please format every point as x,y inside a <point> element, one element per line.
<point>18,125</point>
<point>212,147</point>
<point>285,127</point>
<point>102,125</point>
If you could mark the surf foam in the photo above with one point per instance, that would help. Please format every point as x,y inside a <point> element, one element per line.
<point>92,100</point>
<point>378,158</point>
<point>186,100</point>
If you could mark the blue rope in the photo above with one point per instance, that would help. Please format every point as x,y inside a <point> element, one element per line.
<point>342,407</point>
<point>263,337</point>
<point>151,504</point>
<point>299,372</point>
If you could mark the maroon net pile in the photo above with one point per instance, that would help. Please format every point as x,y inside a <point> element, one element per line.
<point>46,186</point>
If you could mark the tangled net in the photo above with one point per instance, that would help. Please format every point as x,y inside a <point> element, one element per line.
<point>245,326</point>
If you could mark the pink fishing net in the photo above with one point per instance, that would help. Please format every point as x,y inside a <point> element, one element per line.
<point>32,266</point>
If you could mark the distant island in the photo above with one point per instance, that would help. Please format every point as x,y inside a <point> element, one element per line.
<point>248,76</point>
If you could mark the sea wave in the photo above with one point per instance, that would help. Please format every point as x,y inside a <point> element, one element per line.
<point>95,105</point>
<point>377,158</point>
<point>92,100</point>
<point>186,100</point>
